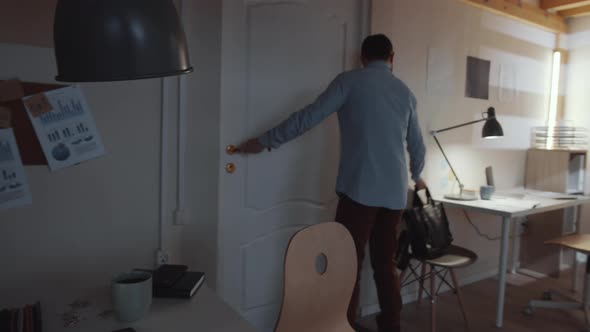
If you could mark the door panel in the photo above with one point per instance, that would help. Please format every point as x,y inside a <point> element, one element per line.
<point>278,56</point>
<point>260,281</point>
<point>293,52</point>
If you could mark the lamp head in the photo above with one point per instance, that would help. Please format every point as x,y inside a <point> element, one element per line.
<point>492,128</point>
<point>113,40</point>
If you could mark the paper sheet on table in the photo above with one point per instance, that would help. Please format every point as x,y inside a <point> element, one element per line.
<point>522,204</point>
<point>14,187</point>
<point>551,195</point>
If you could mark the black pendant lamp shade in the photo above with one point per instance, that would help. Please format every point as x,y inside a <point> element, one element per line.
<point>492,128</point>
<point>115,40</point>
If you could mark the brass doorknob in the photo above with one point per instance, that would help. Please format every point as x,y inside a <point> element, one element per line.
<point>230,168</point>
<point>231,149</point>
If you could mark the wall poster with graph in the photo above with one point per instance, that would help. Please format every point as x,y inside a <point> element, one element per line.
<point>65,127</point>
<point>14,187</point>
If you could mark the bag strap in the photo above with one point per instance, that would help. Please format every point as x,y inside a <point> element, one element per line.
<point>418,202</point>
<point>428,196</point>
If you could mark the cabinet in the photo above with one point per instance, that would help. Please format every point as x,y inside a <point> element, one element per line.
<point>561,171</point>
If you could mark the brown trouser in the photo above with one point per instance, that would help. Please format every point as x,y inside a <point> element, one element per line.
<point>378,226</point>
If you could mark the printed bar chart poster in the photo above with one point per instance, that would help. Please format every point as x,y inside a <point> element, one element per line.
<point>14,187</point>
<point>64,126</point>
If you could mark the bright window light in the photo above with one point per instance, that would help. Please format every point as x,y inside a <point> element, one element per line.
<point>554,98</point>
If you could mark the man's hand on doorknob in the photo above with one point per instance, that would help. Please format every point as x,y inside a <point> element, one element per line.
<point>251,146</point>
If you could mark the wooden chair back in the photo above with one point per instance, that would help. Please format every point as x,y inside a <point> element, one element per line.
<point>314,299</point>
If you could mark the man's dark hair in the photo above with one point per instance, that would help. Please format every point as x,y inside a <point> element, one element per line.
<point>377,47</point>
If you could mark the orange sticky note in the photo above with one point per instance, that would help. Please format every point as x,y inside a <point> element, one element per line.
<point>11,90</point>
<point>5,117</point>
<point>38,104</point>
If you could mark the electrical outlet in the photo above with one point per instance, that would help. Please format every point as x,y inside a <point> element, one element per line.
<point>161,257</point>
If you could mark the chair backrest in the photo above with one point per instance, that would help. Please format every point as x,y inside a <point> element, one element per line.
<point>314,299</point>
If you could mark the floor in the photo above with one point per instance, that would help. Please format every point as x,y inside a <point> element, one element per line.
<point>480,302</point>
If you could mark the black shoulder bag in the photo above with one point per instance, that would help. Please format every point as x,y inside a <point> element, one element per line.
<point>428,229</point>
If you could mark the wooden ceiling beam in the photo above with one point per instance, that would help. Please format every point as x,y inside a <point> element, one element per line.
<point>525,13</point>
<point>562,4</point>
<point>579,11</point>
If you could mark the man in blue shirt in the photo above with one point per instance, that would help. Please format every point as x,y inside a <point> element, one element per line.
<point>377,118</point>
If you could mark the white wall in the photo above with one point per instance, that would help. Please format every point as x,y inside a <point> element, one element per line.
<point>577,99</point>
<point>446,32</point>
<point>99,218</point>
<point>199,238</point>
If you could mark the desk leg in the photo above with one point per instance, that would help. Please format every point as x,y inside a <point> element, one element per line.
<point>514,248</point>
<point>575,278</point>
<point>502,271</point>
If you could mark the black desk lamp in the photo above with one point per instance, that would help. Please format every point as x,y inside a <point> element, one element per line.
<point>491,129</point>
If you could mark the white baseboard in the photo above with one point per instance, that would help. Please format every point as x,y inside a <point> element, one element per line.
<point>539,275</point>
<point>373,308</point>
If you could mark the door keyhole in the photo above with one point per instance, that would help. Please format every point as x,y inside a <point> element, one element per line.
<point>230,168</point>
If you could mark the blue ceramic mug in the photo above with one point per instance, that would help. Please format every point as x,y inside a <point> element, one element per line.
<point>486,192</point>
<point>132,295</point>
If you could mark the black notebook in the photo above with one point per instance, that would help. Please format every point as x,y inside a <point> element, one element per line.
<point>166,275</point>
<point>185,287</point>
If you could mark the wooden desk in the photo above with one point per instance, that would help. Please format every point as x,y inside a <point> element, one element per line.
<point>204,312</point>
<point>509,205</point>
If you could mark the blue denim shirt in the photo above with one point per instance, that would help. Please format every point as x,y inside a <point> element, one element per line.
<point>377,117</point>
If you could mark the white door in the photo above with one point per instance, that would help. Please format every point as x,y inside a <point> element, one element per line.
<point>277,57</point>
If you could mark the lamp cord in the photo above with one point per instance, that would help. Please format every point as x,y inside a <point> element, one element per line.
<point>482,234</point>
